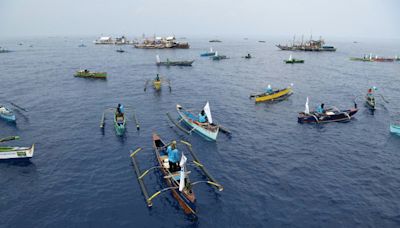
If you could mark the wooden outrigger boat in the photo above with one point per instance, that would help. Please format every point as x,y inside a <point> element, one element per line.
<point>157,83</point>
<point>207,130</point>
<point>209,53</point>
<point>292,60</point>
<point>370,102</point>
<point>275,95</point>
<point>173,63</point>
<point>218,57</point>
<point>395,129</point>
<point>7,114</point>
<point>8,152</point>
<point>178,182</point>
<point>329,115</point>
<point>119,119</point>
<point>90,74</point>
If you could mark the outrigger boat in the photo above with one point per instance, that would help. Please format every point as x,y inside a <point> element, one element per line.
<point>209,53</point>
<point>395,129</point>
<point>218,57</point>
<point>329,115</point>
<point>292,60</point>
<point>120,50</point>
<point>370,99</point>
<point>8,152</point>
<point>7,114</point>
<point>208,129</point>
<point>178,182</point>
<point>157,83</point>
<point>119,119</point>
<point>275,95</point>
<point>89,74</point>
<point>173,63</point>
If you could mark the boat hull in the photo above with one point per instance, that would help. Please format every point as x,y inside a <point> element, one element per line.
<point>186,198</point>
<point>157,85</point>
<point>395,129</point>
<point>6,114</point>
<point>190,120</point>
<point>339,116</point>
<point>281,94</point>
<point>119,126</point>
<point>294,61</point>
<point>175,63</point>
<point>16,152</point>
<point>208,54</point>
<point>96,75</point>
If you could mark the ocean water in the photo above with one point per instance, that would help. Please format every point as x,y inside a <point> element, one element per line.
<point>275,172</point>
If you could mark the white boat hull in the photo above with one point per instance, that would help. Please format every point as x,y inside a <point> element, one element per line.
<point>17,152</point>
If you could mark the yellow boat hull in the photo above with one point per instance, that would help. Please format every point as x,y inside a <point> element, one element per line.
<point>157,85</point>
<point>274,96</point>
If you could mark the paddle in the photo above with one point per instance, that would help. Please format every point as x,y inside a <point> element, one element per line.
<point>145,85</point>
<point>136,121</point>
<point>383,98</point>
<point>9,138</point>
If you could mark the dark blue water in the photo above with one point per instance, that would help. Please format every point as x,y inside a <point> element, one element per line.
<point>275,172</point>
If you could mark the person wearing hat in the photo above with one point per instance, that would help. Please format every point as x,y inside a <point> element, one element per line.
<point>173,157</point>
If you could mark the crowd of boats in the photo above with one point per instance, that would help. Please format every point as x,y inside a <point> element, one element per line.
<point>175,170</point>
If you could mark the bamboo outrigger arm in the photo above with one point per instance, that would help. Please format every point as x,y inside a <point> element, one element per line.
<point>102,121</point>
<point>141,183</point>
<point>136,121</point>
<point>9,138</point>
<point>177,125</point>
<point>201,166</point>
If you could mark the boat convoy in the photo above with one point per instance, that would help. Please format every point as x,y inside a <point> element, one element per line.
<point>172,162</point>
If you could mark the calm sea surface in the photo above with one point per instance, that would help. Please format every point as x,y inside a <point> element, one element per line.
<point>275,172</point>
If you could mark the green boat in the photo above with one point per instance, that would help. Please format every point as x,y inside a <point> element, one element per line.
<point>119,122</point>
<point>292,60</point>
<point>90,74</point>
<point>363,59</point>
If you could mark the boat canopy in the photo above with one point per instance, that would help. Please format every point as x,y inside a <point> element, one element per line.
<point>208,112</point>
<point>104,38</point>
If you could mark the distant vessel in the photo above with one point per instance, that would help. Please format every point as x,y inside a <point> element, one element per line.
<point>310,45</point>
<point>369,58</point>
<point>2,50</point>
<point>161,43</point>
<point>261,41</point>
<point>173,63</point>
<point>215,41</point>
<point>110,41</point>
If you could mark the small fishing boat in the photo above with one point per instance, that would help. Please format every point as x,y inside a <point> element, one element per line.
<point>119,122</point>
<point>261,41</point>
<point>329,115</point>
<point>81,45</point>
<point>8,152</point>
<point>248,56</point>
<point>2,50</point>
<point>209,53</point>
<point>186,197</point>
<point>218,57</point>
<point>157,83</point>
<point>292,60</point>
<point>6,114</point>
<point>215,41</point>
<point>120,50</point>
<point>208,129</point>
<point>90,74</point>
<point>275,95</point>
<point>395,129</point>
<point>173,63</point>
<point>370,102</point>
<point>363,59</point>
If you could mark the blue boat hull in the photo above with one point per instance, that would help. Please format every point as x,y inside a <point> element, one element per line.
<point>10,118</point>
<point>395,129</point>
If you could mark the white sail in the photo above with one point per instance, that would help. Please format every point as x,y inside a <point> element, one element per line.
<point>208,112</point>
<point>158,58</point>
<point>290,57</point>
<point>182,164</point>
<point>307,110</point>
<point>216,53</point>
<point>211,50</point>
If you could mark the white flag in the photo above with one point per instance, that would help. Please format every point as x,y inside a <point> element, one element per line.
<point>158,58</point>
<point>307,110</point>
<point>182,179</point>
<point>207,110</point>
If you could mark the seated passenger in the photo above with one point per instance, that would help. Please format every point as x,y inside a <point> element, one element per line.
<point>269,89</point>
<point>202,117</point>
<point>320,109</point>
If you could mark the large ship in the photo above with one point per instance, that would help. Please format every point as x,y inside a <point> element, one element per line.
<point>161,42</point>
<point>310,45</point>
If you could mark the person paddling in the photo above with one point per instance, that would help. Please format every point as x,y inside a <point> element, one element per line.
<point>173,157</point>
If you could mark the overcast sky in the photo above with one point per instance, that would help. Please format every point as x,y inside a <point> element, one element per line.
<point>244,18</point>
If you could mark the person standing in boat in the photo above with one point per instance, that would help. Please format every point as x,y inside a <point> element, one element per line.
<point>269,89</point>
<point>320,109</point>
<point>120,110</point>
<point>173,157</point>
<point>202,117</point>
<point>158,78</point>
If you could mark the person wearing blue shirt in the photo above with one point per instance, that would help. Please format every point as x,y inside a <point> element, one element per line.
<point>202,117</point>
<point>269,89</point>
<point>173,157</point>
<point>320,109</point>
